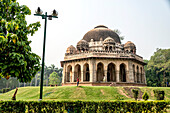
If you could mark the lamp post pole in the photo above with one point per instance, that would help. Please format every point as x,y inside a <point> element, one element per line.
<point>54,15</point>
<point>42,71</point>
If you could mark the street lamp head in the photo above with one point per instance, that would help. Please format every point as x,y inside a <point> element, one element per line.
<point>55,13</point>
<point>39,11</point>
<point>50,17</point>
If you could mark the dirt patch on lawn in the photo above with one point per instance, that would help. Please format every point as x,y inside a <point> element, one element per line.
<point>130,93</point>
<point>122,93</point>
<point>79,93</point>
<point>102,91</point>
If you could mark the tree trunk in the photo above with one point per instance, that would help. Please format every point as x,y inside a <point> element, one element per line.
<point>31,83</point>
<point>47,81</point>
<point>36,80</point>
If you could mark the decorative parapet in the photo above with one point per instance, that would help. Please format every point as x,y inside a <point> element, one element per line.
<point>102,54</point>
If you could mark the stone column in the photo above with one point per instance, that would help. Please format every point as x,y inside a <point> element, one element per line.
<point>117,76</point>
<point>105,73</point>
<point>82,74</point>
<point>64,73</point>
<point>91,70</point>
<point>117,73</point>
<point>127,76</point>
<point>131,76</point>
<point>94,70</point>
<point>73,74</point>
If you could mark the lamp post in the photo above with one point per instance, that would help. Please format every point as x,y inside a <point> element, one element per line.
<point>53,15</point>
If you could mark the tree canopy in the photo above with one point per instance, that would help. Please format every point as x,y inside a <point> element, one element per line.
<point>54,79</point>
<point>158,68</point>
<point>16,57</point>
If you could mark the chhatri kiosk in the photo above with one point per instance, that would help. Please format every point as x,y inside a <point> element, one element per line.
<point>100,59</point>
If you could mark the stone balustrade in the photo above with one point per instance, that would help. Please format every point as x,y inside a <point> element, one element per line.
<point>102,54</point>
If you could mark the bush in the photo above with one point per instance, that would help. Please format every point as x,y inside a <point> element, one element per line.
<point>83,106</point>
<point>135,93</point>
<point>145,96</point>
<point>4,90</point>
<point>159,94</point>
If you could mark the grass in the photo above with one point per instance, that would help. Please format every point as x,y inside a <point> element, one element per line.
<point>95,93</point>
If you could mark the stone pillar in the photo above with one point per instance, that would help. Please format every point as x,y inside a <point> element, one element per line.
<point>117,76</point>
<point>117,72</point>
<point>130,76</point>
<point>91,70</point>
<point>64,73</point>
<point>105,73</point>
<point>94,71</point>
<point>72,74</point>
<point>82,74</point>
<point>127,76</point>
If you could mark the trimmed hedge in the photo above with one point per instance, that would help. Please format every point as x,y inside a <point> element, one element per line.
<point>159,94</point>
<point>4,90</point>
<point>83,106</point>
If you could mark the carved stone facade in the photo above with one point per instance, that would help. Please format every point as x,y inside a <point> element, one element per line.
<point>100,59</point>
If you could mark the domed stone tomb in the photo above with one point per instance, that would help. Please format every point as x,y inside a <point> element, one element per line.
<point>100,59</point>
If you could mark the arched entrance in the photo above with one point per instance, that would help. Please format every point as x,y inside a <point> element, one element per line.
<point>77,73</point>
<point>100,72</point>
<point>69,73</point>
<point>86,72</point>
<point>111,73</point>
<point>122,72</point>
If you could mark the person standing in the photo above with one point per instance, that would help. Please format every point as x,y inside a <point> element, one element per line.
<point>77,81</point>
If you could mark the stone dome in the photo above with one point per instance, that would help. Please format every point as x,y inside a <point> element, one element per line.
<point>129,44</point>
<point>99,32</point>
<point>82,42</point>
<point>82,45</point>
<point>109,40</point>
<point>71,49</point>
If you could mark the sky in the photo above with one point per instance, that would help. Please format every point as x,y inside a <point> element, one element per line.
<point>144,22</point>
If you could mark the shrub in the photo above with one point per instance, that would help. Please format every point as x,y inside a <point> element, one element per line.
<point>4,90</point>
<point>135,93</point>
<point>159,94</point>
<point>145,96</point>
<point>84,106</point>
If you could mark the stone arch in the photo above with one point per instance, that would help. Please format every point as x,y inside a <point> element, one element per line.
<point>137,69</point>
<point>106,48</point>
<point>69,73</point>
<point>77,72</point>
<point>122,72</point>
<point>134,76</point>
<point>111,72</point>
<point>110,48</point>
<point>86,72</point>
<point>100,72</point>
<point>141,78</point>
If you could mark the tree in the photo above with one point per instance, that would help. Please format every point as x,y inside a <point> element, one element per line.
<point>118,32</point>
<point>16,58</point>
<point>54,79</point>
<point>145,96</point>
<point>157,70</point>
<point>135,93</point>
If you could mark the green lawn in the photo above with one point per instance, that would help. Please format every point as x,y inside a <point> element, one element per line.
<point>95,93</point>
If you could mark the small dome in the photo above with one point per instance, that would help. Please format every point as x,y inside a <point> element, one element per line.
<point>109,40</point>
<point>71,49</point>
<point>82,45</point>
<point>129,44</point>
<point>99,32</point>
<point>82,42</point>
